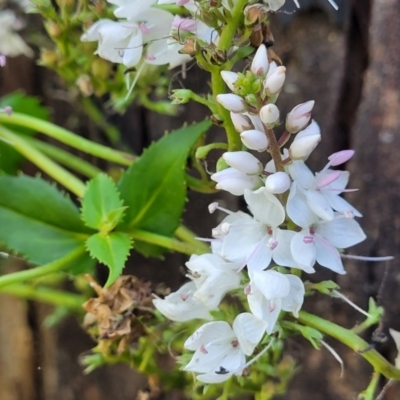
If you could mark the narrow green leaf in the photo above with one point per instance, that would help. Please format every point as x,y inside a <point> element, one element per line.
<point>156,203</point>
<point>112,250</point>
<point>38,221</point>
<point>102,207</point>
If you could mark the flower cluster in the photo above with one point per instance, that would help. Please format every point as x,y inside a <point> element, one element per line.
<point>145,32</point>
<point>297,219</point>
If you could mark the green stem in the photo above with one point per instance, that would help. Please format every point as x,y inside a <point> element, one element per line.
<point>202,151</point>
<point>187,236</point>
<point>36,272</point>
<point>167,242</point>
<point>65,158</point>
<point>61,175</point>
<point>369,392</point>
<point>229,31</point>
<point>45,295</point>
<point>350,339</point>
<point>201,100</point>
<point>218,87</point>
<point>112,133</point>
<point>67,137</point>
<point>199,185</point>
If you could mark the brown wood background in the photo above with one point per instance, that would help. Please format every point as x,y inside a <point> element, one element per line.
<point>349,62</point>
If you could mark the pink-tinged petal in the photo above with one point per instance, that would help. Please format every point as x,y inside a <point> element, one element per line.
<point>265,207</point>
<point>298,209</point>
<point>207,333</point>
<point>282,254</point>
<point>340,157</point>
<point>294,300</point>
<point>328,178</point>
<point>327,255</point>
<point>301,174</point>
<point>341,233</point>
<point>257,302</point>
<point>259,256</point>
<point>271,284</point>
<point>249,330</point>
<point>271,313</point>
<point>303,253</point>
<point>241,238</point>
<point>319,205</point>
<point>340,204</point>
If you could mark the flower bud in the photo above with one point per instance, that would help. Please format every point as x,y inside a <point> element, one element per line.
<point>232,102</point>
<point>305,141</point>
<point>299,117</point>
<point>278,183</point>
<point>254,140</point>
<point>241,122</point>
<point>269,114</point>
<point>181,96</point>
<point>229,78</point>
<point>243,162</point>
<point>273,82</point>
<point>234,181</point>
<point>260,63</point>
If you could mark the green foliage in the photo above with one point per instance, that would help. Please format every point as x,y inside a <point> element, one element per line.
<point>102,208</point>
<point>324,287</point>
<point>154,187</point>
<point>11,160</point>
<point>38,221</point>
<point>111,249</point>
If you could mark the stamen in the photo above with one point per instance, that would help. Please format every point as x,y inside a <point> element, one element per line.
<point>144,28</point>
<point>3,60</point>
<point>272,243</point>
<point>308,239</point>
<point>184,296</point>
<point>7,110</point>
<point>335,293</point>
<point>151,57</point>
<point>247,290</point>
<point>203,349</point>
<point>336,355</point>
<point>215,206</point>
<point>235,343</point>
<point>364,258</point>
<point>328,179</point>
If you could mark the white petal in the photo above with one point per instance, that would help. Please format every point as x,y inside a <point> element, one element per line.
<point>213,377</point>
<point>328,256</point>
<point>341,233</point>
<point>241,238</point>
<point>298,209</point>
<point>294,300</point>
<point>209,357</point>
<point>271,313</point>
<point>265,207</point>
<point>340,204</point>
<point>303,253</point>
<point>319,205</point>
<point>282,254</point>
<point>271,284</point>
<point>301,174</point>
<point>259,257</point>
<point>257,303</point>
<point>133,51</point>
<point>249,330</point>
<point>209,332</point>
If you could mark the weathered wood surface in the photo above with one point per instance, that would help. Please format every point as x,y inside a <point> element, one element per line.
<point>350,64</point>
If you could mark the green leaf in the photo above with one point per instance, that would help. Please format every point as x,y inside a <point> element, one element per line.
<point>112,250</point>
<point>37,221</point>
<point>156,203</point>
<point>11,160</point>
<point>102,207</point>
<point>324,287</point>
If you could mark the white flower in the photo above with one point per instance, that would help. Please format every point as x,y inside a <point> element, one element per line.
<point>322,190</point>
<point>213,277</point>
<point>12,44</point>
<point>260,63</point>
<point>122,42</point>
<point>305,142</point>
<point>232,102</point>
<point>269,114</point>
<point>220,351</point>
<point>130,9</point>
<point>269,292</point>
<point>274,80</point>
<point>255,140</point>
<point>255,241</point>
<point>319,239</point>
<point>180,306</point>
<point>299,117</point>
<point>278,183</point>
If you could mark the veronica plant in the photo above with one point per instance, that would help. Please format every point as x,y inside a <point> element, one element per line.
<point>247,281</point>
